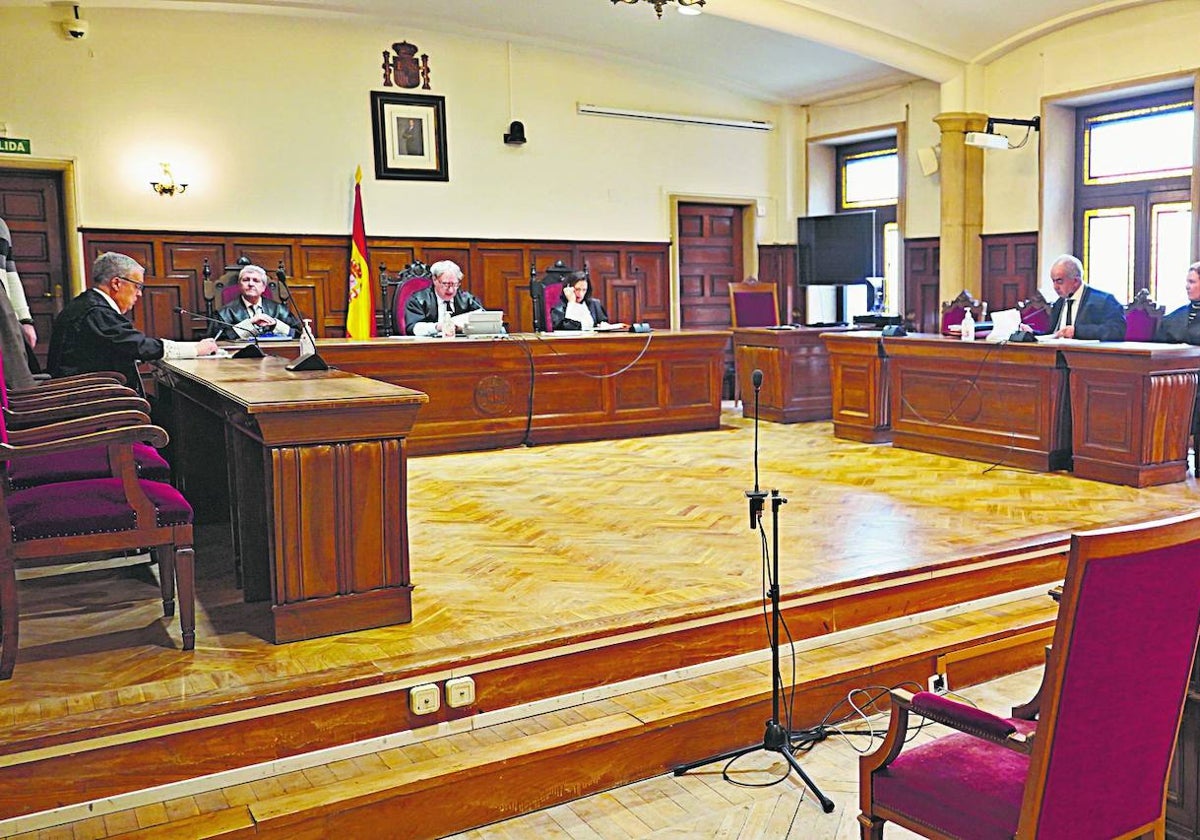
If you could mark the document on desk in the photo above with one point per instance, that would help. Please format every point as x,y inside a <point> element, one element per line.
<point>1004,324</point>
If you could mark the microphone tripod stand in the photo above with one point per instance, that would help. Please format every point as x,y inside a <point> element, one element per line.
<point>776,738</point>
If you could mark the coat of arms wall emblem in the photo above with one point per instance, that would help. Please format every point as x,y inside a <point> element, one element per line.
<point>402,68</point>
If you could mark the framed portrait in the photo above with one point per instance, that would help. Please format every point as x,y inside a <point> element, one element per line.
<point>410,136</point>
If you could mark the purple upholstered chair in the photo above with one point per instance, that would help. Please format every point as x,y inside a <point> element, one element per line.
<point>753,304</point>
<point>1116,678</point>
<point>954,312</point>
<point>53,523</point>
<point>1035,312</point>
<point>411,280</point>
<point>1142,316</point>
<point>550,299</point>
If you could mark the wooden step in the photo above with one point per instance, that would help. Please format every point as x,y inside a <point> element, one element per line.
<point>497,764</point>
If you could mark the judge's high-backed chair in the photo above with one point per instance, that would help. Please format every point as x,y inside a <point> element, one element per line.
<point>50,524</point>
<point>550,299</point>
<point>1035,312</point>
<point>953,313</point>
<point>220,293</point>
<point>401,287</point>
<point>1142,317</point>
<point>1094,764</point>
<point>753,304</point>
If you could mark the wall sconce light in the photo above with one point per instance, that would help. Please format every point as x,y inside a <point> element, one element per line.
<point>167,185</point>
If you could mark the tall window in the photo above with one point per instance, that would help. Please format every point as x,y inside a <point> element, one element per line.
<point>869,177</point>
<point>1133,195</point>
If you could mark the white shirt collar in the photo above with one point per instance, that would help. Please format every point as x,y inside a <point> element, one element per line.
<point>108,298</point>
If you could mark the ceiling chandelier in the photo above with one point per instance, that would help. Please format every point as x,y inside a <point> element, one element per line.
<point>686,7</point>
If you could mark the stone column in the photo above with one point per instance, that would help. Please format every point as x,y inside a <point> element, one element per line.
<point>961,170</point>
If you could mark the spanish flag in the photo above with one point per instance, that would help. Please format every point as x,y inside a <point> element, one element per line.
<point>360,309</point>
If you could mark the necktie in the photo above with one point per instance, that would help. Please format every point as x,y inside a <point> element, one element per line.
<point>1070,303</point>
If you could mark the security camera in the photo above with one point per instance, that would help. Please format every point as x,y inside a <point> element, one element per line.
<point>75,29</point>
<point>986,141</point>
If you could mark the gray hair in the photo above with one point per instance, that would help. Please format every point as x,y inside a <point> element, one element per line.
<point>253,269</point>
<point>1074,266</point>
<point>443,266</point>
<point>1194,267</point>
<point>110,264</point>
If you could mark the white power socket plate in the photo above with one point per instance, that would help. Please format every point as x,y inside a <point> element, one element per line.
<point>939,684</point>
<point>424,699</point>
<point>460,692</point>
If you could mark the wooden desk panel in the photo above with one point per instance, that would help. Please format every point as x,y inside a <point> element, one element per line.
<point>479,389</point>
<point>315,484</point>
<point>1131,405</point>
<point>998,403</point>
<point>795,366</point>
<point>860,386</point>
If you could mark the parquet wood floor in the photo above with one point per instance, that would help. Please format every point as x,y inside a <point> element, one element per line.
<point>514,549</point>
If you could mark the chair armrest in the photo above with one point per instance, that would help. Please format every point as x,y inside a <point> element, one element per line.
<point>67,396</point>
<point>79,426</point>
<point>26,419</point>
<point>67,383</point>
<point>154,435</point>
<point>964,718</point>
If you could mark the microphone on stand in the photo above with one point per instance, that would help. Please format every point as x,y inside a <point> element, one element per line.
<point>757,497</point>
<point>250,351</point>
<point>312,359</point>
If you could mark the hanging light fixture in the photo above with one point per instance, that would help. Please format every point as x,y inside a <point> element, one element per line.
<point>687,7</point>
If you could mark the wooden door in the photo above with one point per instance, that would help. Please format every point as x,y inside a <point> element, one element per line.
<point>32,205</point>
<point>710,256</point>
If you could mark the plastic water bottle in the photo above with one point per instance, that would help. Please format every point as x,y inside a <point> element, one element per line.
<point>968,326</point>
<point>308,345</point>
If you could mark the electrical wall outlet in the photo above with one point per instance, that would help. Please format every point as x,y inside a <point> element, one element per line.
<point>938,684</point>
<point>460,692</point>
<point>424,699</point>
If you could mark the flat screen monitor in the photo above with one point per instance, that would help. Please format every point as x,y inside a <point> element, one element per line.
<point>836,250</point>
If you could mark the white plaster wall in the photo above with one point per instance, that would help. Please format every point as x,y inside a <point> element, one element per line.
<point>1121,48</point>
<point>266,117</point>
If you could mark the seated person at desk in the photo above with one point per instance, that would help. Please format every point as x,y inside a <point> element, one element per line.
<point>1183,325</point>
<point>252,314</point>
<point>93,332</point>
<point>441,309</point>
<point>1081,311</point>
<point>577,309</point>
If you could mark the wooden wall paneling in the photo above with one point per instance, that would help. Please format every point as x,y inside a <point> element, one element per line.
<point>267,254</point>
<point>777,264</point>
<point>604,271</point>
<point>1009,269</point>
<point>621,301</point>
<point>324,271</point>
<point>648,266</point>
<point>155,313</point>
<point>185,261</point>
<point>141,248</point>
<point>500,279</point>
<point>921,277</point>
<point>460,253</point>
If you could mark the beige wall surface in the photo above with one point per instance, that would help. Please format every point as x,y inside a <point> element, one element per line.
<point>1113,50</point>
<point>266,118</point>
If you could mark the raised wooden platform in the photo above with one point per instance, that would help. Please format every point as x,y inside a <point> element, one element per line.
<point>540,573</point>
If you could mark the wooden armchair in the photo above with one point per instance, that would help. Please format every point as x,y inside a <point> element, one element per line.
<point>400,288</point>
<point>1095,762</point>
<point>954,311</point>
<point>52,523</point>
<point>1035,312</point>
<point>753,304</point>
<point>1142,317</point>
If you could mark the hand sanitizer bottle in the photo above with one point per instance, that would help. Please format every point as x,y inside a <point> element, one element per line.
<point>968,326</point>
<point>308,345</point>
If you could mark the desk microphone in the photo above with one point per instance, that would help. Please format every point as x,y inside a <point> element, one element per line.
<point>305,361</point>
<point>757,497</point>
<point>250,351</point>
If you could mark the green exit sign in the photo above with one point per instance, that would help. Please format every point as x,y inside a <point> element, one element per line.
<point>14,145</point>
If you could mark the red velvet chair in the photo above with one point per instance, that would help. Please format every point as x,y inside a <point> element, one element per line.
<point>551,299</point>
<point>1035,313</point>
<point>53,523</point>
<point>1142,316</point>
<point>955,311</point>
<point>1094,764</point>
<point>404,285</point>
<point>753,304</point>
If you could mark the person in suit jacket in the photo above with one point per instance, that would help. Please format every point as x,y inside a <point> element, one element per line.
<point>431,311</point>
<point>93,332</point>
<point>252,314</point>
<point>1082,311</point>
<point>1182,326</point>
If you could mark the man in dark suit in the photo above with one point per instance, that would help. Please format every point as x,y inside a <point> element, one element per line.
<point>94,333</point>
<point>252,314</point>
<point>438,309</point>
<point>1081,311</point>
